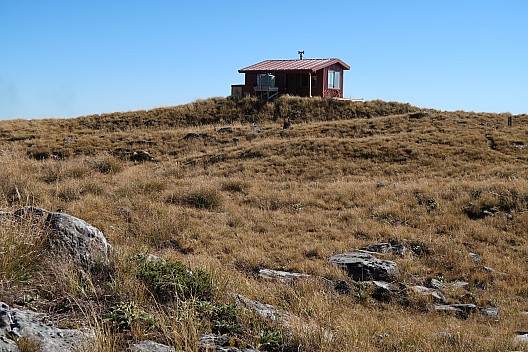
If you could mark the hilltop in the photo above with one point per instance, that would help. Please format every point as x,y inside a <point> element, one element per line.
<point>231,188</point>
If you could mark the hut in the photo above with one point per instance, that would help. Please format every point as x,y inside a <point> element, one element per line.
<point>301,77</point>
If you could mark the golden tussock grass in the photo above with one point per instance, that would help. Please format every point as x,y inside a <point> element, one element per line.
<point>257,196</point>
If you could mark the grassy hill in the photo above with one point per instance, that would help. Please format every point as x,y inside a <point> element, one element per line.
<point>219,185</point>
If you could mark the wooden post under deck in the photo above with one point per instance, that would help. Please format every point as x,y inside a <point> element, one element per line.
<point>310,84</point>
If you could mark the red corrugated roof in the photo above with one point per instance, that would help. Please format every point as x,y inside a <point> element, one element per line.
<point>293,65</point>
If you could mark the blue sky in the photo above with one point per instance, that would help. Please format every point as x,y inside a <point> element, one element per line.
<point>72,58</point>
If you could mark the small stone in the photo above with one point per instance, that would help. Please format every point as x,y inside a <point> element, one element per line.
<point>141,156</point>
<point>438,297</point>
<point>521,337</point>
<point>475,257</point>
<point>490,311</point>
<point>379,247</point>
<point>211,342</point>
<point>460,284</point>
<point>154,259</point>
<point>436,284</point>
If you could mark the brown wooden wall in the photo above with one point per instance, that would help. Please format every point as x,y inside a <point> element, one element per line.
<point>293,83</point>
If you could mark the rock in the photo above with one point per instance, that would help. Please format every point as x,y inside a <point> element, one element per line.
<point>437,295</point>
<point>399,249</point>
<point>463,310</point>
<point>343,287</point>
<point>381,247</point>
<point>71,238</point>
<point>384,247</point>
<point>489,311</point>
<point>264,310</point>
<point>365,267</point>
<point>141,156</point>
<point>225,130</point>
<point>150,346</point>
<point>16,324</point>
<point>223,344</point>
<point>193,135</point>
<point>446,308</point>
<point>385,291</point>
<point>154,258</point>
<point>521,337</point>
<point>283,276</point>
<point>460,284</point>
<point>436,284</point>
<point>475,257</point>
<point>490,142</point>
<point>475,213</point>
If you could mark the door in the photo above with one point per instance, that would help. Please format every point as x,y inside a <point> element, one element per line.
<point>291,84</point>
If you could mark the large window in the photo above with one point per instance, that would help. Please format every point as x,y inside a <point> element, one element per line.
<point>334,79</point>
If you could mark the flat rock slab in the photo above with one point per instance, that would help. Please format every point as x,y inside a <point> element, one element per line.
<point>15,324</point>
<point>365,267</point>
<point>283,276</point>
<point>264,310</point>
<point>464,310</point>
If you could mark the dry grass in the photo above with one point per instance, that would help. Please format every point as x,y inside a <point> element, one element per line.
<point>346,175</point>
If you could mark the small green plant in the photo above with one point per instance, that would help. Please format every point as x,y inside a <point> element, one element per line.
<point>124,315</point>
<point>270,340</point>
<point>419,247</point>
<point>298,206</point>
<point>169,280</point>
<point>225,319</point>
<point>362,291</point>
<point>432,205</point>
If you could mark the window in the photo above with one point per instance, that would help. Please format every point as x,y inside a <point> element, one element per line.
<point>334,79</point>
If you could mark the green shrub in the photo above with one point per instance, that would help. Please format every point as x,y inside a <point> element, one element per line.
<point>124,315</point>
<point>270,340</point>
<point>170,280</point>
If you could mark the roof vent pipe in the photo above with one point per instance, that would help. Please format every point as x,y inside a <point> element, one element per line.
<point>301,53</point>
